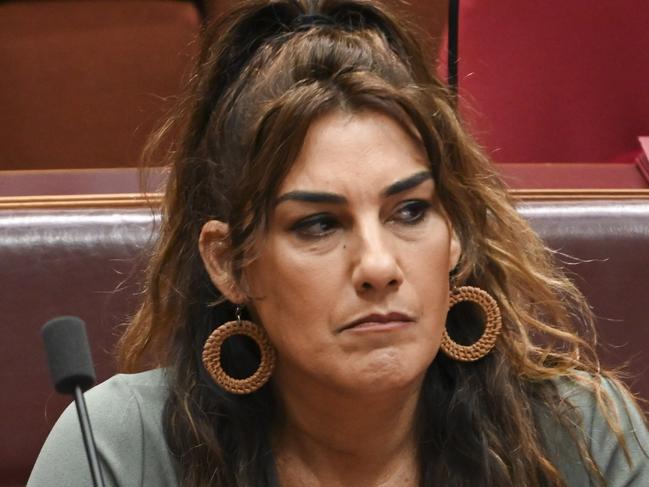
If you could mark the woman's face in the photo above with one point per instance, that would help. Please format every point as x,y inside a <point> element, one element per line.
<point>351,282</point>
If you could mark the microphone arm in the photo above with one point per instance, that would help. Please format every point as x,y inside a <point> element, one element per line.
<point>72,371</point>
<point>453,36</point>
<point>88,438</point>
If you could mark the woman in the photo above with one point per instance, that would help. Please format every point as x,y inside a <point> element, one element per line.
<point>325,222</point>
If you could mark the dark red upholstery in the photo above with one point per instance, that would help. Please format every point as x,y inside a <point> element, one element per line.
<point>55,262</point>
<point>604,246</point>
<point>558,80</point>
<point>86,261</point>
<point>84,82</point>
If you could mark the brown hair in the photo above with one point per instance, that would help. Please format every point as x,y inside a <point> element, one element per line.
<point>263,77</point>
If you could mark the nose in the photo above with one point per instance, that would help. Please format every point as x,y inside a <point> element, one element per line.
<point>376,268</point>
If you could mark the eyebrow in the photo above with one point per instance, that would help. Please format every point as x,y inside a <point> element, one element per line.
<point>324,197</point>
<point>407,183</point>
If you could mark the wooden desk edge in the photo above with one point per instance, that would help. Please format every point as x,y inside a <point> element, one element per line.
<point>139,200</point>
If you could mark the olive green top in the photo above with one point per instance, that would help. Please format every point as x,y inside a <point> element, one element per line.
<point>126,416</point>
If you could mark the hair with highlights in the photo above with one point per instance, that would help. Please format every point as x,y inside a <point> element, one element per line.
<point>261,80</point>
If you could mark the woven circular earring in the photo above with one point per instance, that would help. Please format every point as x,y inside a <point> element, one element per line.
<point>471,353</point>
<point>212,356</point>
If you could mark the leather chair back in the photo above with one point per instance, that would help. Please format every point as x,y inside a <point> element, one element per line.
<point>87,262</point>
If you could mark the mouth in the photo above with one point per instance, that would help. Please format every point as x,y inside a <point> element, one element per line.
<point>379,322</point>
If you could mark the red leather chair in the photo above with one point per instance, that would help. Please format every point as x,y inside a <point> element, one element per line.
<point>84,83</point>
<point>556,81</point>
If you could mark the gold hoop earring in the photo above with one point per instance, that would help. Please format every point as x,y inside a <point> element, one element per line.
<point>212,356</point>
<point>471,353</point>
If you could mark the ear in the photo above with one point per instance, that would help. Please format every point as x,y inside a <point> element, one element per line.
<point>214,247</point>
<point>455,250</point>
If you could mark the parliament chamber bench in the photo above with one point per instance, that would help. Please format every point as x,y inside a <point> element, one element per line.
<point>84,255</point>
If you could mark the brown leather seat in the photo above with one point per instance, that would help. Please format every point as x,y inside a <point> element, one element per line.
<point>84,83</point>
<point>55,262</point>
<point>540,79</point>
<point>85,261</point>
<point>604,246</point>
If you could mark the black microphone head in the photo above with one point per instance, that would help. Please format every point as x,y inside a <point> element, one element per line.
<point>68,354</point>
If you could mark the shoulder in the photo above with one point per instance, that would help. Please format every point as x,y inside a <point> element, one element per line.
<point>126,417</point>
<point>132,392</point>
<point>589,425</point>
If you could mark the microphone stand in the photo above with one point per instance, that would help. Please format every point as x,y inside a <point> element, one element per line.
<point>453,36</point>
<point>88,438</point>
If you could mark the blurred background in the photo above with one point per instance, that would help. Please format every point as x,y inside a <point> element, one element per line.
<point>84,82</point>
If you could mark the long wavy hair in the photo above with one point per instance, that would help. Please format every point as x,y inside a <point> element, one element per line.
<point>264,75</point>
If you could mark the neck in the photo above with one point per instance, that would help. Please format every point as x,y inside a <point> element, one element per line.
<point>331,437</point>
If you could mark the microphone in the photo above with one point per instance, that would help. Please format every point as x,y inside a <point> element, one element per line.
<point>72,371</point>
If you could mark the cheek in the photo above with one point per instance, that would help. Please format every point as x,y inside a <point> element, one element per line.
<point>429,261</point>
<point>286,275</point>
<point>427,276</point>
<point>293,290</point>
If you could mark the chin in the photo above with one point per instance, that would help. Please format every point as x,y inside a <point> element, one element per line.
<point>391,370</point>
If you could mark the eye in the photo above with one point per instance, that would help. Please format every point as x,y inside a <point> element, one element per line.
<point>315,226</point>
<point>411,212</point>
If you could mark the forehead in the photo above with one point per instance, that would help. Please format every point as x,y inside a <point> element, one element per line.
<point>345,151</point>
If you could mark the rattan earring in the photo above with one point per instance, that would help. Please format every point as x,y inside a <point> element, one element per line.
<point>212,356</point>
<point>477,350</point>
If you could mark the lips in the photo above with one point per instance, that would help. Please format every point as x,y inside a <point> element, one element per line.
<point>379,320</point>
